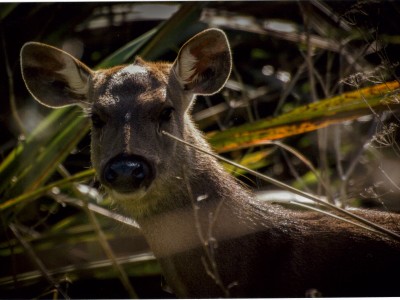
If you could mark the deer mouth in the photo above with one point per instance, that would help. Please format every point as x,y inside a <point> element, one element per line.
<point>127,174</point>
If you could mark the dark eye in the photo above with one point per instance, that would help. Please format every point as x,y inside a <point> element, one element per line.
<point>166,114</point>
<point>97,121</point>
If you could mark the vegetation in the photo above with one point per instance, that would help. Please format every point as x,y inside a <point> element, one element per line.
<point>311,102</point>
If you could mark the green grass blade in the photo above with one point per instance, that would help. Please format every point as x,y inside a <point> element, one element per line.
<point>29,196</point>
<point>24,156</point>
<point>310,117</point>
<point>167,37</point>
<point>6,9</point>
<point>126,53</point>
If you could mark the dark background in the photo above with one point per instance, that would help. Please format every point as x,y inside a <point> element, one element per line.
<point>365,32</point>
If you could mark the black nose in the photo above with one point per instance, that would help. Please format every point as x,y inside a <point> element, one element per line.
<point>127,173</point>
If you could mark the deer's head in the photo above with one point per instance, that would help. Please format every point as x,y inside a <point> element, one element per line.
<point>130,106</point>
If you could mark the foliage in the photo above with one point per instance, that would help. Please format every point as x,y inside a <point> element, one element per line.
<point>308,74</point>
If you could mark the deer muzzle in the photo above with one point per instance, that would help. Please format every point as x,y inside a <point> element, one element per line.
<point>127,173</point>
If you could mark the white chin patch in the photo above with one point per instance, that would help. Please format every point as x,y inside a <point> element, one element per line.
<point>127,196</point>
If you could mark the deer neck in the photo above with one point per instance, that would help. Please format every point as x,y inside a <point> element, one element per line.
<point>216,208</point>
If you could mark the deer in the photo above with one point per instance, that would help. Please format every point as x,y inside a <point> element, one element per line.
<point>209,232</point>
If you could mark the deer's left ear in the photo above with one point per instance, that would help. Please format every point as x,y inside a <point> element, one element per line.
<point>54,77</point>
<point>204,63</point>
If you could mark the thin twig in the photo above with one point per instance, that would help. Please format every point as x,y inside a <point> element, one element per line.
<point>299,156</point>
<point>294,172</point>
<point>99,210</point>
<point>208,261</point>
<point>10,77</point>
<point>305,205</point>
<point>322,133</point>
<point>109,252</point>
<point>37,261</point>
<point>284,186</point>
<point>105,244</point>
<point>288,88</point>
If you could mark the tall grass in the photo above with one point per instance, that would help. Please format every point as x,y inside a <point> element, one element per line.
<point>303,80</point>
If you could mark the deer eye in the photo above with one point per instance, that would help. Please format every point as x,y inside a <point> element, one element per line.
<point>166,114</point>
<point>97,121</point>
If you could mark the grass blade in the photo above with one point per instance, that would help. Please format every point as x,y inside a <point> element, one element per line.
<point>310,117</point>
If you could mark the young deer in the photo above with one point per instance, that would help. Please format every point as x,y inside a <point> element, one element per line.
<point>209,233</point>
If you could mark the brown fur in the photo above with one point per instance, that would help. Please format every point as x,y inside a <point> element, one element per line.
<point>210,234</point>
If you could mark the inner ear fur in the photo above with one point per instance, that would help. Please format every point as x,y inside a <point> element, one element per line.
<point>54,77</point>
<point>204,63</point>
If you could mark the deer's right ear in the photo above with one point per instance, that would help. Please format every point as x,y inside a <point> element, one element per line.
<point>54,77</point>
<point>204,63</point>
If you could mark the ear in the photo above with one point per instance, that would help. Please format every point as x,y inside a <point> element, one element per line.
<point>54,77</point>
<point>204,63</point>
